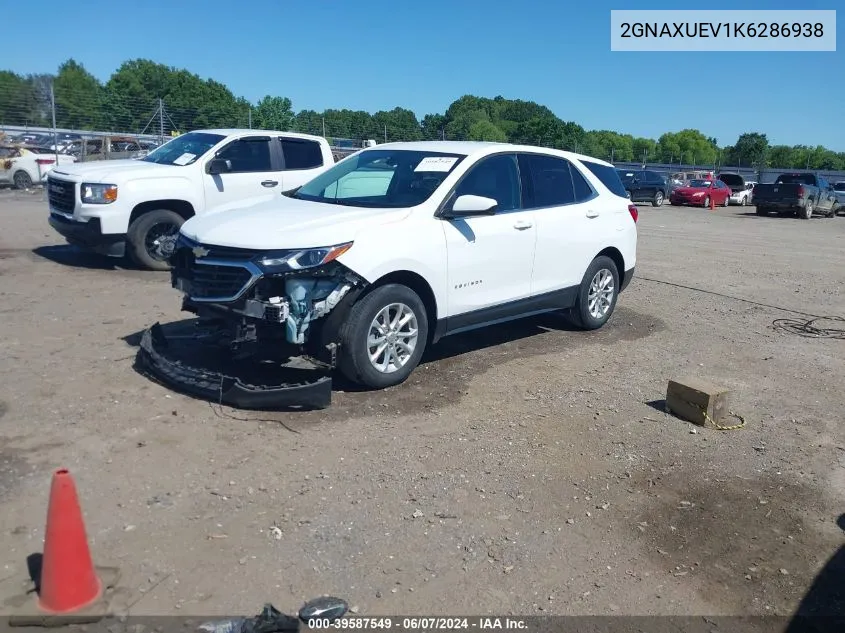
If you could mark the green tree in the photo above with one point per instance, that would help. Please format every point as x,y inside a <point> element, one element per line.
<point>486,131</point>
<point>79,98</point>
<point>433,126</point>
<point>273,113</point>
<point>750,149</point>
<point>781,156</point>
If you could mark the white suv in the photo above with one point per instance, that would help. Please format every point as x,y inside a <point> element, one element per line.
<point>399,245</point>
<point>109,205</point>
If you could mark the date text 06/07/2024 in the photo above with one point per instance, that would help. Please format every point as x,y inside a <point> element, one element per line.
<point>418,623</point>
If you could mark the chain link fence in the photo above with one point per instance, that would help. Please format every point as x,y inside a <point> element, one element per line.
<point>94,125</point>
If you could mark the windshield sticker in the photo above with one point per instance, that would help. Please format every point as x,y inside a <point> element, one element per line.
<point>184,159</point>
<point>436,163</point>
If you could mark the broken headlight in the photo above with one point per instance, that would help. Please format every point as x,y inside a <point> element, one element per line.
<point>285,261</point>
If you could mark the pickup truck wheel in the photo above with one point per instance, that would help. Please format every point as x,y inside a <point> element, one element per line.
<point>807,212</point>
<point>152,238</point>
<point>384,338</point>
<point>22,180</point>
<point>833,210</point>
<point>596,295</point>
<point>658,199</point>
<point>762,210</point>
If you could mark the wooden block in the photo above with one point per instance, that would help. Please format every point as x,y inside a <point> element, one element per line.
<point>698,401</point>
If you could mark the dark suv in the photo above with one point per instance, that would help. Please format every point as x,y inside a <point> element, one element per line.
<point>644,186</point>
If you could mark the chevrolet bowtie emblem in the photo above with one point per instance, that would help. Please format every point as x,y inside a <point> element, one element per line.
<point>199,251</point>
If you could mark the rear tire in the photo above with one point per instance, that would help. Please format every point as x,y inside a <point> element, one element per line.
<point>727,201</point>
<point>597,295</point>
<point>658,200</point>
<point>833,211</point>
<point>762,210</point>
<point>363,332</point>
<point>807,212</point>
<point>152,238</point>
<point>22,180</point>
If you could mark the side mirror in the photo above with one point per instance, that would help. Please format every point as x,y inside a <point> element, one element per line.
<point>472,205</point>
<point>218,166</point>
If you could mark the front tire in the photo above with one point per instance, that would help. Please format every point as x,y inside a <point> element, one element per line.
<point>383,339</point>
<point>597,295</point>
<point>152,238</point>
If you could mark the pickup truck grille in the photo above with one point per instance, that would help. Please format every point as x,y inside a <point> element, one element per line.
<point>210,279</point>
<point>61,194</point>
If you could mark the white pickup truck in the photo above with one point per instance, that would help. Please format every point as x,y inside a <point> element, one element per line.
<point>137,206</point>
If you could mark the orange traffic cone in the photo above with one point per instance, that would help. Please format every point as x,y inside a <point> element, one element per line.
<point>712,204</point>
<point>69,581</point>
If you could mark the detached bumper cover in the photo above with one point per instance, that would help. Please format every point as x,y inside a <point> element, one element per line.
<point>229,390</point>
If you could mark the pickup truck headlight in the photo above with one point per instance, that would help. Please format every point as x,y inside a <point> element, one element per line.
<point>98,193</point>
<point>284,261</point>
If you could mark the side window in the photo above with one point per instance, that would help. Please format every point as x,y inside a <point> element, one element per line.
<point>247,155</point>
<point>583,190</point>
<point>608,176</point>
<point>301,154</point>
<point>546,181</point>
<point>496,177</point>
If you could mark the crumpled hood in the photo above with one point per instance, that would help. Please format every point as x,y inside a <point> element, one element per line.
<point>286,223</point>
<point>111,171</point>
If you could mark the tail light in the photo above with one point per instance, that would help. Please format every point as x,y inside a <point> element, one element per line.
<point>635,213</point>
<point>45,161</point>
<point>800,190</point>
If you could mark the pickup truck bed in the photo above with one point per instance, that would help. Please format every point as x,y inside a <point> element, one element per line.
<point>800,194</point>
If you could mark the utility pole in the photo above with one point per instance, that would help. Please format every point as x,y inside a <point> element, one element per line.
<point>385,132</point>
<point>161,118</point>
<point>611,154</point>
<point>55,134</point>
<point>250,117</point>
<point>324,126</point>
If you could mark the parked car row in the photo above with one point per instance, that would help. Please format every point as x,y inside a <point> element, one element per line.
<point>23,166</point>
<point>363,263</point>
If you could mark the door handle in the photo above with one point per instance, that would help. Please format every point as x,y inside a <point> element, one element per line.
<point>269,183</point>
<point>592,213</point>
<point>522,225</point>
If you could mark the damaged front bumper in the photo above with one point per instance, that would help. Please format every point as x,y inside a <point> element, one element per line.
<point>226,389</point>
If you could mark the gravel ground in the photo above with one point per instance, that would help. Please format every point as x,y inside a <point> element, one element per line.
<point>524,469</point>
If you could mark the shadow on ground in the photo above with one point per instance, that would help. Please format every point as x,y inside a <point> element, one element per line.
<point>445,372</point>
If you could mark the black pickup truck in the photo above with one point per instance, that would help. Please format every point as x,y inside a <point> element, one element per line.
<point>800,194</point>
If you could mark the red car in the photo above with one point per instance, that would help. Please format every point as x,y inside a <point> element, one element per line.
<point>699,192</point>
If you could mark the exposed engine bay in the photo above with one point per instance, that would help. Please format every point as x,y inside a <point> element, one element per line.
<point>255,312</point>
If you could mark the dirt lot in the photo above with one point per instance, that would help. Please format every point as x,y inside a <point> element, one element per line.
<point>525,469</point>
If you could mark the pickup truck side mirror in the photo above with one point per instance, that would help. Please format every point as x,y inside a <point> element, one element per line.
<point>218,166</point>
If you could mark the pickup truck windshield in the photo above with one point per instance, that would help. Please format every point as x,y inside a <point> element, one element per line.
<point>184,150</point>
<point>801,179</point>
<point>381,178</point>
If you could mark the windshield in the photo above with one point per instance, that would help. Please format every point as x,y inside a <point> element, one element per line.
<point>382,178</point>
<point>185,149</point>
<point>699,183</point>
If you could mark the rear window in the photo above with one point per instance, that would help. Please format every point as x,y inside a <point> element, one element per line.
<point>803,179</point>
<point>839,186</point>
<point>608,175</point>
<point>301,153</point>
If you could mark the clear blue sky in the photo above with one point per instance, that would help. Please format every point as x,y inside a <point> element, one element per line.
<point>378,54</point>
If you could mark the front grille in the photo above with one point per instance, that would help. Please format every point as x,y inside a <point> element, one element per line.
<point>61,194</point>
<point>209,280</point>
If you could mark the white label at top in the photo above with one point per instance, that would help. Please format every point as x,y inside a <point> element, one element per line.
<point>436,163</point>
<point>184,159</point>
